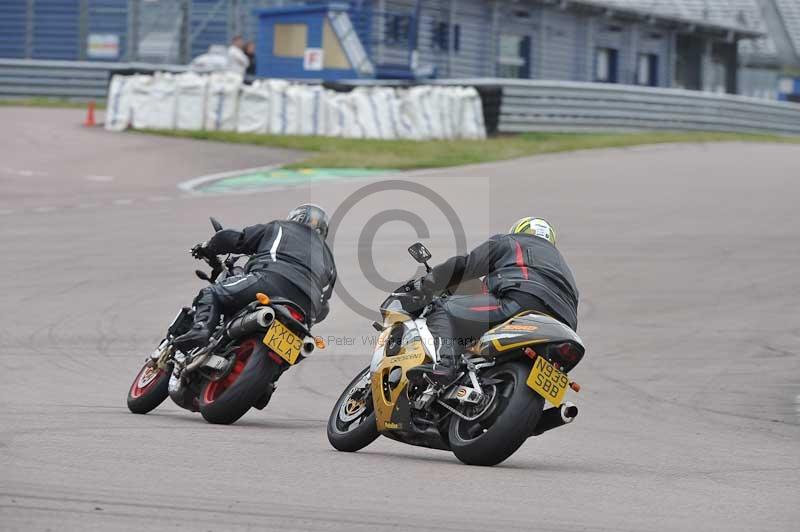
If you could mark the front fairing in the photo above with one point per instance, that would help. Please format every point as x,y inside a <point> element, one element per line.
<point>401,335</point>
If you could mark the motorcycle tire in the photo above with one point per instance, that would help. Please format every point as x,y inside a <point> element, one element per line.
<point>223,402</point>
<point>149,389</point>
<point>507,422</point>
<point>340,436</point>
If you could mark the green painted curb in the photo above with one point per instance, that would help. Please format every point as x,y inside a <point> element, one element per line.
<point>284,177</point>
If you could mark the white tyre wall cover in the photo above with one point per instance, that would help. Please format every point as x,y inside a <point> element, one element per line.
<point>191,104</point>
<point>254,108</point>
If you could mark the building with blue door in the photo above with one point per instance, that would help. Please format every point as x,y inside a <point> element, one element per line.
<point>310,41</point>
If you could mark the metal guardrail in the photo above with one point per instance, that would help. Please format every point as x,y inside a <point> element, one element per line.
<point>532,105</point>
<point>80,80</point>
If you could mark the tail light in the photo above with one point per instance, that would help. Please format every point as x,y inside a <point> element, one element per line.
<point>566,354</point>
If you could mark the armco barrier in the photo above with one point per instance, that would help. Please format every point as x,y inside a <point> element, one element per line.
<point>532,105</point>
<point>83,80</point>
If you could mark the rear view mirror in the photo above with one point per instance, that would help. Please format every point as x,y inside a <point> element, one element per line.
<point>419,252</point>
<point>215,223</point>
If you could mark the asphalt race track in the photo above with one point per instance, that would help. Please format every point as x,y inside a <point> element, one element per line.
<point>687,257</point>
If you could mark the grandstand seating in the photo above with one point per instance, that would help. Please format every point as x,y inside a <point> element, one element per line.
<point>743,13</point>
<point>790,13</point>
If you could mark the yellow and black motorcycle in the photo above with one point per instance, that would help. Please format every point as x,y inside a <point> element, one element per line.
<point>487,412</point>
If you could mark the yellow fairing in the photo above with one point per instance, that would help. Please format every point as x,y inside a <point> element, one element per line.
<point>409,356</point>
<point>390,317</point>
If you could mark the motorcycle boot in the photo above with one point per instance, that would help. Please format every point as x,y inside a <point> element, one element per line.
<point>442,373</point>
<point>206,318</point>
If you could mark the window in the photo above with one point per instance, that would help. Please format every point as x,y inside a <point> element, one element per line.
<point>398,29</point>
<point>514,60</point>
<point>605,65</point>
<point>647,70</point>
<point>334,56</point>
<point>440,35</point>
<point>290,40</point>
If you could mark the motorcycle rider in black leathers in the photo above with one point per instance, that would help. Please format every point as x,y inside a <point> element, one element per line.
<point>524,272</point>
<point>288,259</point>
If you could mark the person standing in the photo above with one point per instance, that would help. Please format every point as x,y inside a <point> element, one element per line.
<point>237,59</point>
<point>250,52</point>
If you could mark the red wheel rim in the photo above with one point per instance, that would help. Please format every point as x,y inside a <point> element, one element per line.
<point>217,388</point>
<point>145,380</point>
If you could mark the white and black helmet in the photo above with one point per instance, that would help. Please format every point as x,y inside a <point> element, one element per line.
<point>311,215</point>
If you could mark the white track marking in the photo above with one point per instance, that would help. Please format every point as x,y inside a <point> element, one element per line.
<point>192,184</point>
<point>99,178</point>
<point>159,198</point>
<point>86,205</point>
<point>24,172</point>
<point>122,201</point>
<point>44,208</point>
<point>6,211</point>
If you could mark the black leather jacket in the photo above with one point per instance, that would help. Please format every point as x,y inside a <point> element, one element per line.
<point>514,262</point>
<point>289,249</point>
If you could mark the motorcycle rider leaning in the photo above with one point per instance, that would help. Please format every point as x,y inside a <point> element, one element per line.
<point>288,259</point>
<point>524,272</point>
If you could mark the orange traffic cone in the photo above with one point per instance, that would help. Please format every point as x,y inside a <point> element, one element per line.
<point>90,115</point>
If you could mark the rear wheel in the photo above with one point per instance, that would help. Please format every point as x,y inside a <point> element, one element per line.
<point>149,388</point>
<point>499,426</point>
<point>226,400</point>
<point>351,425</point>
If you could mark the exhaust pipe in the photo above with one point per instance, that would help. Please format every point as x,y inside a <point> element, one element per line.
<point>308,346</point>
<point>250,323</point>
<point>555,417</point>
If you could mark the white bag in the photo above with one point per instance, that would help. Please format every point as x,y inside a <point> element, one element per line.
<point>404,116</point>
<point>159,111</point>
<point>471,123</point>
<point>340,116</point>
<point>277,122</point>
<point>140,99</point>
<point>222,101</point>
<point>385,111</point>
<point>118,110</point>
<point>190,108</point>
<point>254,105</point>
<point>420,113</point>
<point>365,113</point>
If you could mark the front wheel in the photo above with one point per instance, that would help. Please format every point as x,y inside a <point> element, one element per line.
<point>501,425</point>
<point>351,425</point>
<point>149,388</point>
<point>224,401</point>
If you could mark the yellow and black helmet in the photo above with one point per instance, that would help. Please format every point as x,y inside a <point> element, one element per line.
<point>536,227</point>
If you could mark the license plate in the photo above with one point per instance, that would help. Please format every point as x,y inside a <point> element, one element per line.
<point>283,342</point>
<point>547,381</point>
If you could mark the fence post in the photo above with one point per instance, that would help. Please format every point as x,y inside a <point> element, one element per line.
<point>29,29</point>
<point>186,32</point>
<point>83,29</point>
<point>132,52</point>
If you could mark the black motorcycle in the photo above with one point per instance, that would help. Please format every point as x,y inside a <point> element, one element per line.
<point>238,368</point>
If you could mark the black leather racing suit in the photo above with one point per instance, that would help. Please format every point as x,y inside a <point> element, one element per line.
<point>287,259</point>
<point>523,272</point>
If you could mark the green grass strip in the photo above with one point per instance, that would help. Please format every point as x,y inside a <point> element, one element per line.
<point>328,152</point>
<point>49,102</point>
